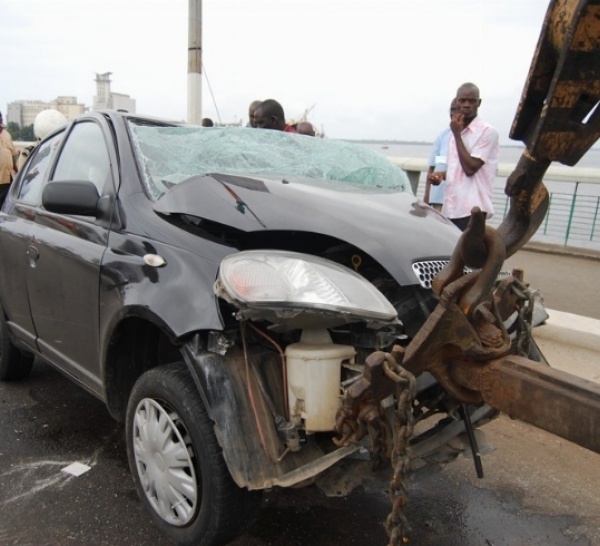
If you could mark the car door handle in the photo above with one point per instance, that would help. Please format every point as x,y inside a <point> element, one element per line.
<point>33,255</point>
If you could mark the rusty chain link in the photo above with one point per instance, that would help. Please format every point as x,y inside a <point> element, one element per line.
<point>396,524</point>
<point>522,324</point>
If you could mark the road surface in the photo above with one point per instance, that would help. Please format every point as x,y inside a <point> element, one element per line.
<point>568,283</point>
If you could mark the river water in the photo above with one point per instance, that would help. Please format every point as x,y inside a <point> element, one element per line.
<point>508,154</point>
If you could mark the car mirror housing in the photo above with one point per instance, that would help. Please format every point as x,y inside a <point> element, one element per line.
<point>78,197</point>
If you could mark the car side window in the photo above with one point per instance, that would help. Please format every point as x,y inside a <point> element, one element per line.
<point>31,182</point>
<point>84,156</point>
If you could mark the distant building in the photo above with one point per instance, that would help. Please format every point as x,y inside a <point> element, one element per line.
<point>23,112</point>
<point>106,99</point>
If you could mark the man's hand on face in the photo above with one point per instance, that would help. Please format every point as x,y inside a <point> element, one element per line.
<point>457,122</point>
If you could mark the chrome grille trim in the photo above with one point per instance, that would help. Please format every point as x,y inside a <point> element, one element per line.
<point>426,271</point>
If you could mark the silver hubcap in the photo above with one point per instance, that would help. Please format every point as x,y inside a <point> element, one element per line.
<point>163,455</point>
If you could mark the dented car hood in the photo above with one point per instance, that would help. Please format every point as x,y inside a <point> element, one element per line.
<point>394,227</point>
<point>256,180</point>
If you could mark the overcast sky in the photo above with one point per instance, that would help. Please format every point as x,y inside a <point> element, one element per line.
<point>373,69</point>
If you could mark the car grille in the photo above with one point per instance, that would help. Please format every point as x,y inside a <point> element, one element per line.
<point>426,271</point>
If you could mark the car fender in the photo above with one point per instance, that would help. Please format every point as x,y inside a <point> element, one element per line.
<point>168,284</point>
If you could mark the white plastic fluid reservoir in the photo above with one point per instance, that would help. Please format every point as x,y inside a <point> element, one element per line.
<point>314,370</point>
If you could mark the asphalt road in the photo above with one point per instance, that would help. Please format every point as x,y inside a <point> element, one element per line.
<point>568,283</point>
<point>537,489</point>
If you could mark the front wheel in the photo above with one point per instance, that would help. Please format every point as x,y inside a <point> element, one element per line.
<point>14,364</point>
<point>177,464</point>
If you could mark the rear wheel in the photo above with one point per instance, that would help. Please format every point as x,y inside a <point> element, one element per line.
<point>14,364</point>
<point>177,464</point>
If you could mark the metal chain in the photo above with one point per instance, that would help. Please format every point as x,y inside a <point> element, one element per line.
<point>396,524</point>
<point>524,316</point>
<point>376,428</point>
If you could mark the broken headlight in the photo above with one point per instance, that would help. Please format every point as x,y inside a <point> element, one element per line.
<point>270,279</point>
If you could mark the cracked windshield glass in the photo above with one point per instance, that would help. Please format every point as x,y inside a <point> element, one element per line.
<point>169,155</point>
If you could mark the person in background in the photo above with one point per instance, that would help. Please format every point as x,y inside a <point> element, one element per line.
<point>269,115</point>
<point>435,185</point>
<point>473,152</point>
<point>207,122</point>
<point>8,160</point>
<point>46,122</point>
<point>305,128</point>
<point>251,110</point>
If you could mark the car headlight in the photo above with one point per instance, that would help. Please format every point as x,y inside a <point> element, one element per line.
<point>287,280</point>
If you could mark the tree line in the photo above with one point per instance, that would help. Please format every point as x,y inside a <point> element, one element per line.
<point>20,133</point>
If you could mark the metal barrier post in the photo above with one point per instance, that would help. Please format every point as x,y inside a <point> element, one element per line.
<point>548,215</point>
<point>595,218</point>
<point>571,212</point>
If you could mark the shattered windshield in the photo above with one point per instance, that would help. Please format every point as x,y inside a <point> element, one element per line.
<point>169,155</point>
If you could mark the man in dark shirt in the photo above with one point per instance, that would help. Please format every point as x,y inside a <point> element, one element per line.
<point>270,115</point>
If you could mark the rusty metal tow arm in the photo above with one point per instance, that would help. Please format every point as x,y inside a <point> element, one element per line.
<point>464,343</point>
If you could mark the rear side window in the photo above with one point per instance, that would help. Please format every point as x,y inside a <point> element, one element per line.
<point>32,181</point>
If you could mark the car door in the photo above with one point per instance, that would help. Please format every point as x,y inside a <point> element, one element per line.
<point>15,236</point>
<point>64,257</point>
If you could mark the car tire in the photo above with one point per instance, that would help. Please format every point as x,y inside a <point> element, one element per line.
<point>177,464</point>
<point>14,364</point>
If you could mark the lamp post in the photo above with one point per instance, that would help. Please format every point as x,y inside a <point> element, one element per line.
<point>194,97</point>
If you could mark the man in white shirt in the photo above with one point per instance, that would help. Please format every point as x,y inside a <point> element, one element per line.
<point>472,160</point>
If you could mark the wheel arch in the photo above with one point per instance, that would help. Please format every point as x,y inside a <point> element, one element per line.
<point>136,345</point>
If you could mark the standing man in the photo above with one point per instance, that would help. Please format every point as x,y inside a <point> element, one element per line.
<point>8,160</point>
<point>435,185</point>
<point>472,160</point>
<point>270,115</point>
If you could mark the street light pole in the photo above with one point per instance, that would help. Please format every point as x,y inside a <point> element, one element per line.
<point>194,98</point>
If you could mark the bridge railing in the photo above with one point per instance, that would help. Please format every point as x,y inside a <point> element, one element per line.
<point>573,217</point>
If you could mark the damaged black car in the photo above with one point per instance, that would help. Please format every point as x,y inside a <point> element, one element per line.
<point>239,299</point>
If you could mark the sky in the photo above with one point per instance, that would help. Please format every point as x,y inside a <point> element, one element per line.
<point>366,69</point>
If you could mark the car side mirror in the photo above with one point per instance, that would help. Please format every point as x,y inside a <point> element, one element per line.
<point>79,197</point>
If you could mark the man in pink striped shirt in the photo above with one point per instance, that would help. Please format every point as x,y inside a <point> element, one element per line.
<point>472,160</point>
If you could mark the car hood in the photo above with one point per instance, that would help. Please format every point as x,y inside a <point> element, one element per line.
<point>394,227</point>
